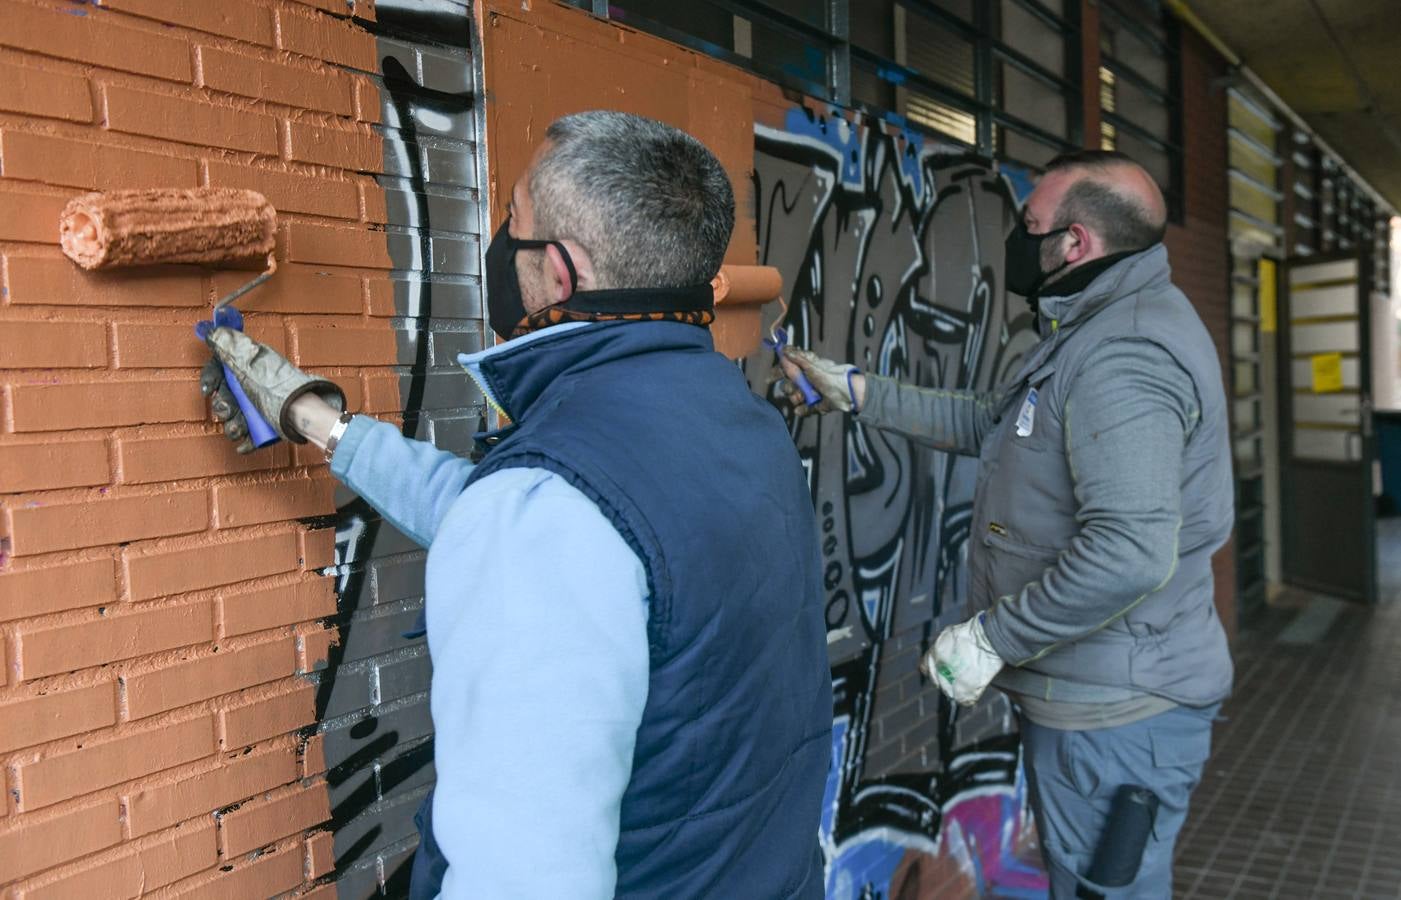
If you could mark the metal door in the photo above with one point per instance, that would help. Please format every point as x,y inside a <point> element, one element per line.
<point>1327,446</point>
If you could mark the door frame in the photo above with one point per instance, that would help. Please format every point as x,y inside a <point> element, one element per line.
<point>1291,527</point>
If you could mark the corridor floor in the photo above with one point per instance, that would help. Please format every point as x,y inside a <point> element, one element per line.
<point>1302,797</point>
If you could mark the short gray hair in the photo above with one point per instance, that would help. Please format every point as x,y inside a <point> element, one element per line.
<point>649,203</point>
<point>1120,218</point>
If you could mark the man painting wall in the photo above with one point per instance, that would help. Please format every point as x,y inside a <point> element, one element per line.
<point>1104,488</point>
<point>623,598</point>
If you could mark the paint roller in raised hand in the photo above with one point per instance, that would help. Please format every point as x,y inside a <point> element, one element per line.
<point>761,284</point>
<point>200,226</point>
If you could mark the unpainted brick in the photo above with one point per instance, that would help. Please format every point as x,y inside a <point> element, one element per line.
<point>234,779</point>
<point>284,604</point>
<point>189,121</point>
<point>208,676</point>
<point>47,717</point>
<point>29,216</point>
<point>32,844</point>
<point>82,164</point>
<point>57,282</point>
<point>55,407</point>
<point>53,345</point>
<point>93,521</point>
<point>333,40</point>
<point>246,22</point>
<point>321,89</point>
<point>145,460</point>
<point>95,766</point>
<point>57,464</point>
<point>50,649</point>
<point>266,717</point>
<point>273,501</point>
<point>53,588</point>
<point>92,39</point>
<point>143,868</point>
<point>52,95</point>
<point>260,822</point>
<point>159,573</point>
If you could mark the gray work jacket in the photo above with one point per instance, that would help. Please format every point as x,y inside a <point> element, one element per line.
<point>1096,581</point>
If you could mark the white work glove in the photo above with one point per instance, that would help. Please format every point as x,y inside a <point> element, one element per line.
<point>833,380</point>
<point>962,662</point>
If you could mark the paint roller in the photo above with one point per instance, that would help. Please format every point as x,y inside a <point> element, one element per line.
<point>761,284</point>
<point>199,226</point>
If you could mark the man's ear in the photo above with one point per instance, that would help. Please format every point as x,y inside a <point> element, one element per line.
<point>1082,243</point>
<point>559,270</point>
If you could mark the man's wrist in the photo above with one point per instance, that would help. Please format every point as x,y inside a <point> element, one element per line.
<point>337,432</point>
<point>313,418</point>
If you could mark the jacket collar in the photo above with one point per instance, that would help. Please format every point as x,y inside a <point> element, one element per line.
<point>513,375</point>
<point>1129,275</point>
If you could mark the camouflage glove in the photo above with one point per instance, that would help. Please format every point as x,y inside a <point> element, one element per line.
<point>269,380</point>
<point>833,380</point>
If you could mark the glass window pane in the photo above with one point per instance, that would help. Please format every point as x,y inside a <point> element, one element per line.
<point>1143,109</point>
<point>940,117</point>
<point>938,53</point>
<point>1149,156</point>
<point>698,19</point>
<point>873,28</point>
<point>961,8</point>
<point>1033,101</point>
<point>1032,37</point>
<point>812,12</point>
<point>1024,149</point>
<point>869,88</point>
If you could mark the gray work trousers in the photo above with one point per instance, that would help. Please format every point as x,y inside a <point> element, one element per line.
<point>1073,776</point>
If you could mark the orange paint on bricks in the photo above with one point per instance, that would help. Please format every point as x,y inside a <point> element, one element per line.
<point>323,89</point>
<point>48,649</point>
<point>189,121</point>
<point>55,281</point>
<point>53,345</point>
<point>135,871</point>
<point>267,875</point>
<point>318,548</point>
<point>54,588</point>
<point>93,766</point>
<point>53,95</point>
<point>141,460</point>
<point>314,649</point>
<point>209,675</point>
<point>29,216</point>
<point>320,853</point>
<point>321,37</point>
<point>333,246</point>
<point>291,191</point>
<point>246,22</point>
<point>358,150</point>
<point>158,572</point>
<point>44,407</point>
<point>84,164</point>
<point>317,345</point>
<point>93,521</point>
<point>260,822</point>
<point>267,716</point>
<point>53,464</point>
<point>51,31</point>
<point>145,346</point>
<point>35,844</point>
<point>273,501</point>
<point>46,717</point>
<point>233,779</point>
<point>298,289</point>
<point>311,597</point>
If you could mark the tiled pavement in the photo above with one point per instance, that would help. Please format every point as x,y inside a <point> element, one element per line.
<point>1302,797</point>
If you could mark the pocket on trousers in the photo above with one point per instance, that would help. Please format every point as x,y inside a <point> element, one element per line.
<point>1180,747</point>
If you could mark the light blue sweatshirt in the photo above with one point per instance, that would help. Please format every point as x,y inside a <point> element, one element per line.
<point>537,628</point>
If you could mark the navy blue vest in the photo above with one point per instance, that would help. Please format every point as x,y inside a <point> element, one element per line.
<point>702,480</point>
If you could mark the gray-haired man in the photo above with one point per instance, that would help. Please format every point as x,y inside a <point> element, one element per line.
<point>1104,487</point>
<point>630,686</point>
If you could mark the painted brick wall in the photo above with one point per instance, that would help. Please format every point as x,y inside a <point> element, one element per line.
<point>204,687</point>
<point>1198,246</point>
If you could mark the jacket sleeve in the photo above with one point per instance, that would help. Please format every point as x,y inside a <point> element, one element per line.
<point>955,421</point>
<point>537,625</point>
<point>411,483</point>
<point>1128,413</point>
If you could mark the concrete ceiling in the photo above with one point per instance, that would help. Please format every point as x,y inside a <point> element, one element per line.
<point>1337,63</point>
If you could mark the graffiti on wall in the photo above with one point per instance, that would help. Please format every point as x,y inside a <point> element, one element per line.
<point>372,702</point>
<point>891,247</point>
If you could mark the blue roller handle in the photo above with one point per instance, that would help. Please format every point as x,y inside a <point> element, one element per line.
<point>777,342</point>
<point>259,431</point>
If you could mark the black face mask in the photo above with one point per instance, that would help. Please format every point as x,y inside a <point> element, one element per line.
<point>504,304</point>
<point>1022,265</point>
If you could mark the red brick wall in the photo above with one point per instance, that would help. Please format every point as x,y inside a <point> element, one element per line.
<point>158,597</point>
<point>1198,246</point>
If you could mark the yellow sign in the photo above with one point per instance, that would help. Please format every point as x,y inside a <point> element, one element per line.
<point>1327,373</point>
<point>1266,274</point>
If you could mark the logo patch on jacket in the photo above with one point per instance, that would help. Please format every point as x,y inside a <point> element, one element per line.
<point>1027,417</point>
